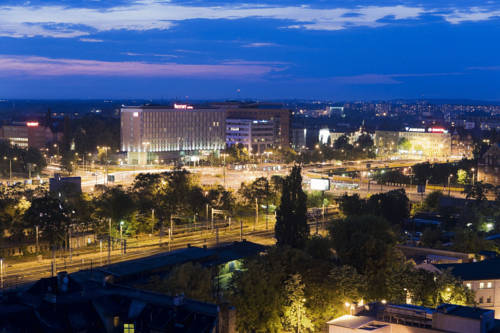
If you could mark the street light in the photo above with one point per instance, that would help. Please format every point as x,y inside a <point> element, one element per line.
<point>10,166</point>
<point>473,175</point>
<point>449,189</point>
<point>121,234</point>
<point>1,273</point>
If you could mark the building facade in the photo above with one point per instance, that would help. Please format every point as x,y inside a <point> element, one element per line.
<point>149,131</point>
<point>279,116</point>
<point>27,134</point>
<point>406,318</point>
<point>482,277</point>
<point>430,142</point>
<point>256,135</point>
<point>462,145</point>
<point>489,166</point>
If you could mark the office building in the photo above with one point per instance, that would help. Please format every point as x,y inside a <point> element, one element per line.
<point>256,135</point>
<point>148,132</point>
<point>275,113</point>
<point>299,138</point>
<point>27,134</point>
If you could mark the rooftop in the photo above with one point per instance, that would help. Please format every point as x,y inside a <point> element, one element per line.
<point>462,311</point>
<point>481,270</point>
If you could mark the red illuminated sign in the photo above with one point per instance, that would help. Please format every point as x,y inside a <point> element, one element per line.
<point>32,124</point>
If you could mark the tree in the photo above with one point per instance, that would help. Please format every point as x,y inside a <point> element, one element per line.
<point>291,226</point>
<point>394,206</point>
<point>404,144</point>
<point>220,198</point>
<point>352,205</point>
<point>294,311</point>
<point>462,177</point>
<point>448,289</point>
<point>257,294</point>
<point>342,143</point>
<point>12,212</point>
<point>477,191</point>
<point>368,244</point>
<point>364,141</point>
<point>115,204</point>
<point>53,217</point>
<point>258,190</point>
<point>431,202</point>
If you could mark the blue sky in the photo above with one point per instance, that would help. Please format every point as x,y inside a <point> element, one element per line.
<point>271,49</point>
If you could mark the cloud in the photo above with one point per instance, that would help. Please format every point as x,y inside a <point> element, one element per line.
<point>134,54</point>
<point>474,14</point>
<point>59,21</point>
<point>50,67</point>
<point>484,68</point>
<point>91,40</point>
<point>383,78</point>
<point>261,45</point>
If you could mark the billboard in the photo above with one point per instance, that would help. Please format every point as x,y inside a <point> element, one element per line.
<point>320,184</point>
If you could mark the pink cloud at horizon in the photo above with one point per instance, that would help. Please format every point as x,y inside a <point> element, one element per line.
<point>41,66</point>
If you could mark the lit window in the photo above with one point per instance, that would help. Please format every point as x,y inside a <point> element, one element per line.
<point>489,285</point>
<point>128,328</point>
<point>469,285</point>
<point>481,285</point>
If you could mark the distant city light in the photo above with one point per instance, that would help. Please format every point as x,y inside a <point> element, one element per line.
<point>32,124</point>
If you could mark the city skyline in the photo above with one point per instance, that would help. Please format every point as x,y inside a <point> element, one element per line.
<point>266,50</point>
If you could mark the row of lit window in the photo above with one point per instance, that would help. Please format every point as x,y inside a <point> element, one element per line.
<point>482,285</point>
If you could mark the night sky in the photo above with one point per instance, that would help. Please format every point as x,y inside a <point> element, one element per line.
<point>253,49</point>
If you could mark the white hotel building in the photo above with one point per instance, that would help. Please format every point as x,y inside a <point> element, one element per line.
<point>149,132</point>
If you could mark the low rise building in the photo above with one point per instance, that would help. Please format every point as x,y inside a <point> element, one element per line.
<point>405,318</point>
<point>27,134</point>
<point>489,166</point>
<point>81,303</point>
<point>462,145</point>
<point>483,278</point>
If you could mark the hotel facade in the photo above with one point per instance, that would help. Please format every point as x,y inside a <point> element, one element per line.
<point>150,132</point>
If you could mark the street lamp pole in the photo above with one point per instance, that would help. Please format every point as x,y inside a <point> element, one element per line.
<point>449,189</point>
<point>36,237</point>
<point>256,213</point>
<point>1,273</point>
<point>10,166</point>
<point>121,235</point>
